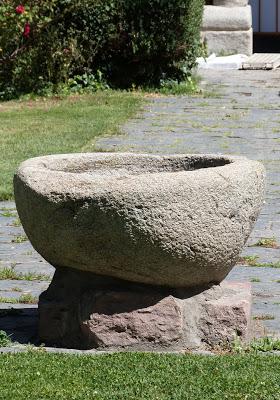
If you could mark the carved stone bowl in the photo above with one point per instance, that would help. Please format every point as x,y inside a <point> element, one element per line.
<point>173,220</point>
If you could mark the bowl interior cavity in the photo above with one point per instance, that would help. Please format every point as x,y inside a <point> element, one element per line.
<point>134,164</point>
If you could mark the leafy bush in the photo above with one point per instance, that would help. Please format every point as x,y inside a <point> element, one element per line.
<point>159,40</point>
<point>48,42</point>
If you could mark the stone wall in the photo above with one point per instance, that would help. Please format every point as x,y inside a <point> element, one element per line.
<point>227,27</point>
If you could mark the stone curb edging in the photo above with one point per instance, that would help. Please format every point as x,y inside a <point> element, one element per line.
<point>56,350</point>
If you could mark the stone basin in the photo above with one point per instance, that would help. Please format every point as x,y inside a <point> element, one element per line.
<point>167,220</point>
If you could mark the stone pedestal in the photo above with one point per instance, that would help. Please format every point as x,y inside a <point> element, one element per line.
<point>127,229</point>
<point>227,28</point>
<point>86,311</point>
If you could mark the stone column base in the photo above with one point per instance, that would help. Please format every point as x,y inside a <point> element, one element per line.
<point>85,311</point>
<point>226,42</point>
<point>230,3</point>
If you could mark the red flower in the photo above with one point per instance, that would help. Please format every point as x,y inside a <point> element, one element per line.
<point>26,31</point>
<point>20,9</point>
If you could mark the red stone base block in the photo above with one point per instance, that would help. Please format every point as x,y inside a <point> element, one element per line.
<point>85,311</point>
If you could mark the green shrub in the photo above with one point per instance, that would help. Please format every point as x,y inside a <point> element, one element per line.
<point>159,40</point>
<point>140,42</point>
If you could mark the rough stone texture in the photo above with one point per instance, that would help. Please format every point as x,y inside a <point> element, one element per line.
<point>240,116</point>
<point>227,19</point>
<point>84,311</point>
<point>127,319</point>
<point>229,42</point>
<point>178,220</point>
<point>228,30</point>
<point>230,3</point>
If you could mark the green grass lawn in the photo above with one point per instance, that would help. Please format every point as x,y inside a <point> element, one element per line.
<point>33,128</point>
<point>40,376</point>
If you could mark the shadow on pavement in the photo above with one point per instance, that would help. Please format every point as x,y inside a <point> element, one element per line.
<point>21,324</point>
<point>266,44</point>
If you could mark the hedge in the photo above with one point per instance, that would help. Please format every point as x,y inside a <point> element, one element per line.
<point>47,42</point>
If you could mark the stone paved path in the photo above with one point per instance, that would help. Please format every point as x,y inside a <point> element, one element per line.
<point>239,115</point>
